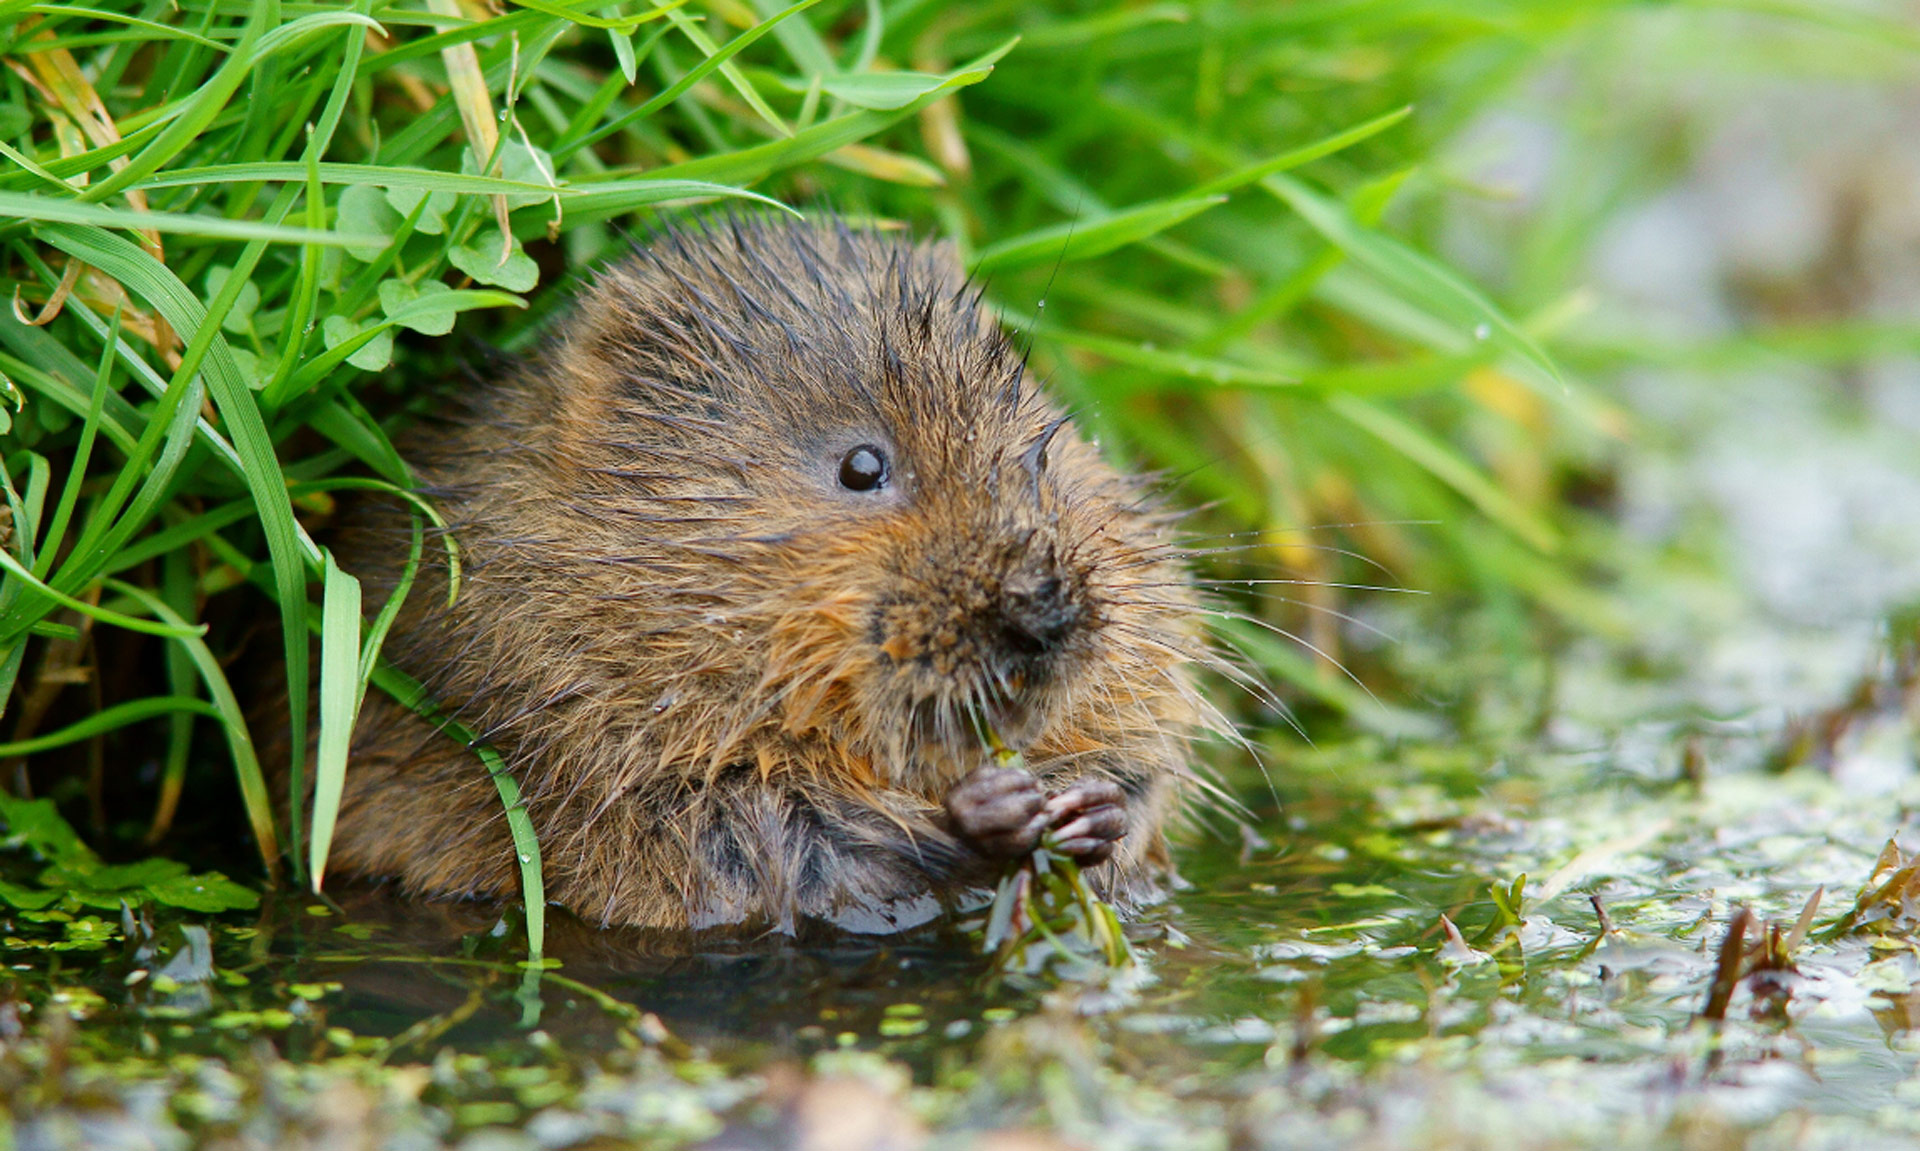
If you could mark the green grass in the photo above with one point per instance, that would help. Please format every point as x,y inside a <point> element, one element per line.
<point>256,233</point>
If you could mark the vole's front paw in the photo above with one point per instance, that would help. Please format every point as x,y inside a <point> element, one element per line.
<point>1002,810</point>
<point>1088,820</point>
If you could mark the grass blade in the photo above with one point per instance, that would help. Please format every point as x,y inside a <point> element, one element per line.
<point>1420,277</point>
<point>597,202</point>
<point>26,206</point>
<point>177,587</point>
<point>573,15</point>
<point>20,572</point>
<point>566,148</point>
<point>1085,239</point>
<point>339,708</point>
<point>750,164</point>
<point>1306,154</point>
<point>199,111</point>
<point>233,721</point>
<point>526,844</point>
<point>1205,369</point>
<point>350,175</point>
<point>735,78</point>
<point>49,544</point>
<point>111,719</point>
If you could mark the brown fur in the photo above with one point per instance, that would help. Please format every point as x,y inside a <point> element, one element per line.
<point>732,691</point>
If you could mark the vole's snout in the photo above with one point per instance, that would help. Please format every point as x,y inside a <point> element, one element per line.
<point>1038,613</point>
<point>993,622</point>
<point>1035,618</point>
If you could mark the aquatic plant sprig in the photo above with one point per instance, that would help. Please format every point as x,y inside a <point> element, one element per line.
<point>1044,915</point>
<point>72,876</point>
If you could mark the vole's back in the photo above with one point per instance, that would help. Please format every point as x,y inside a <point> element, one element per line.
<point>752,557</point>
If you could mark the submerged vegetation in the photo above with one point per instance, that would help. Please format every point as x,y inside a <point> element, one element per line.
<point>1530,848</point>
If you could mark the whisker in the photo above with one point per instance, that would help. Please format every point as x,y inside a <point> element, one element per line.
<point>1335,584</point>
<point>1163,553</point>
<point>1270,597</point>
<point>1243,678</point>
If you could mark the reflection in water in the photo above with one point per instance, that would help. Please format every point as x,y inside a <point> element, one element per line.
<point>778,993</point>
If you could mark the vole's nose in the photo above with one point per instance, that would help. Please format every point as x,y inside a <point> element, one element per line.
<point>1038,613</point>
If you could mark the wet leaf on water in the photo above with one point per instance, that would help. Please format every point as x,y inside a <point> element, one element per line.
<point>75,873</point>
<point>269,1020</point>
<point>1889,903</point>
<point>36,824</point>
<point>27,898</point>
<point>113,877</point>
<point>209,892</point>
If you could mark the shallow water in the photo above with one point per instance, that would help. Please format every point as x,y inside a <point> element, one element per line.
<point>1304,992</point>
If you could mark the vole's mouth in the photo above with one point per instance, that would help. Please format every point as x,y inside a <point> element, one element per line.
<point>951,731</point>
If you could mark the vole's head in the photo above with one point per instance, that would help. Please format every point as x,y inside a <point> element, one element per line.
<point>803,470</point>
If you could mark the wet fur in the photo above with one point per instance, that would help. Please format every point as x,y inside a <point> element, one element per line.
<point>732,691</point>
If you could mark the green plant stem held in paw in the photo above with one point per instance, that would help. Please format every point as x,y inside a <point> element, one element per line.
<point>1044,915</point>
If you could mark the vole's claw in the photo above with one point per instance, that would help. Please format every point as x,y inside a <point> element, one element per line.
<point>1088,820</point>
<point>1002,810</point>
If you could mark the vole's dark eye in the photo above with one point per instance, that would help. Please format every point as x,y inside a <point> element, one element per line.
<point>863,469</point>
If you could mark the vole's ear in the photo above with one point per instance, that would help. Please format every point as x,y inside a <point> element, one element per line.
<point>611,316</point>
<point>593,353</point>
<point>637,363</point>
<point>1034,457</point>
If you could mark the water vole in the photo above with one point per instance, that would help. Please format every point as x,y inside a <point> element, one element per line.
<point>752,554</point>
